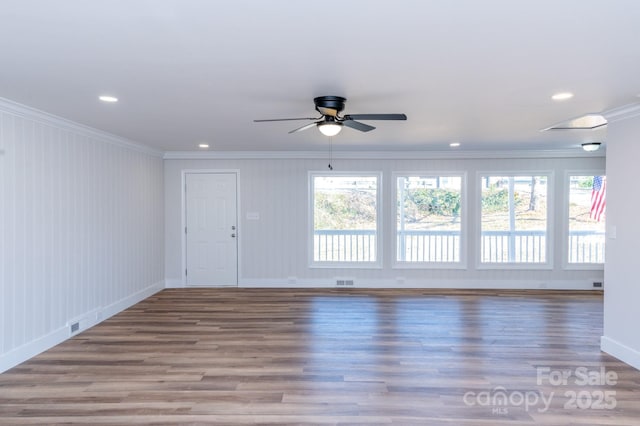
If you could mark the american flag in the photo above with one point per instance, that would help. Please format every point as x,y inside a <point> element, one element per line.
<point>598,197</point>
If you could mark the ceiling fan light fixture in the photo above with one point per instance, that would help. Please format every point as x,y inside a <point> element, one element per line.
<point>330,128</point>
<point>591,146</point>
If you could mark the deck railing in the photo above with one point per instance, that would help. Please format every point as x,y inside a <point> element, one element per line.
<point>332,245</point>
<point>513,246</point>
<point>444,246</point>
<point>586,247</point>
<point>428,246</point>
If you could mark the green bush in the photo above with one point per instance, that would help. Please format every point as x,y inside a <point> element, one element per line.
<point>348,210</point>
<point>433,201</point>
<point>586,183</point>
<point>495,200</point>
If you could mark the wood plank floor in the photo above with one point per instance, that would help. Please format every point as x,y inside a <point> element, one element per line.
<point>344,356</point>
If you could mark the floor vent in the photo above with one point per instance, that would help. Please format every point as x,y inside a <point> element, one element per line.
<point>344,283</point>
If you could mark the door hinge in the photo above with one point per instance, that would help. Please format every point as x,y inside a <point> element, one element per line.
<point>185,229</point>
<point>185,272</point>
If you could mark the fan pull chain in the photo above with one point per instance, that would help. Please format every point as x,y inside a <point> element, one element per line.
<point>330,152</point>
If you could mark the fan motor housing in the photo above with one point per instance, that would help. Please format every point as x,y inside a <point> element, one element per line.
<point>333,102</point>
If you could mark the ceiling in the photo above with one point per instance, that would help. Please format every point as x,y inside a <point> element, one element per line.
<point>191,71</point>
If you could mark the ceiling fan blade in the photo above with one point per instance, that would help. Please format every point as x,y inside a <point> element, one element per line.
<point>375,117</point>
<point>286,119</point>
<point>305,127</point>
<point>327,111</point>
<point>358,125</point>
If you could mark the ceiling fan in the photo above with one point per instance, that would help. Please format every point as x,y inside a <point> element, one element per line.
<point>330,122</point>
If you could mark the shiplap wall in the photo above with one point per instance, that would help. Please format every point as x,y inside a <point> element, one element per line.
<point>274,249</point>
<point>81,228</point>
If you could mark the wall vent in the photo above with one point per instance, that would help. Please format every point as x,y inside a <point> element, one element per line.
<point>597,284</point>
<point>344,283</point>
<point>75,327</point>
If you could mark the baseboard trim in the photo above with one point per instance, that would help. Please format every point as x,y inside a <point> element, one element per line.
<point>621,351</point>
<point>401,282</point>
<point>173,284</point>
<point>119,306</point>
<point>85,321</point>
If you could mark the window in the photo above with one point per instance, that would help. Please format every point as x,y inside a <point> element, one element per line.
<point>587,202</point>
<point>345,219</point>
<point>428,224</point>
<point>514,219</point>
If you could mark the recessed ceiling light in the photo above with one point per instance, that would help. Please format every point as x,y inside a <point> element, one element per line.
<point>204,145</point>
<point>562,96</point>
<point>454,144</point>
<point>106,98</point>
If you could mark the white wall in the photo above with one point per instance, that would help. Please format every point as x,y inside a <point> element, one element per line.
<point>622,295</point>
<point>274,249</point>
<point>81,228</point>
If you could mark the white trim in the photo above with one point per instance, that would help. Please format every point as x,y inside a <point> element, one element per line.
<point>48,119</point>
<point>431,265</point>
<point>378,264</point>
<point>621,351</point>
<point>119,306</point>
<point>462,264</point>
<point>582,266</point>
<point>23,353</point>
<point>565,222</point>
<point>381,155</point>
<point>183,222</point>
<point>87,320</point>
<point>624,112</point>
<point>444,284</point>
<point>173,283</point>
<point>346,265</point>
<point>549,236</point>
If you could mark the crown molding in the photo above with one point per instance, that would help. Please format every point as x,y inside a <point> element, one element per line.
<point>48,119</point>
<point>624,112</point>
<point>377,155</point>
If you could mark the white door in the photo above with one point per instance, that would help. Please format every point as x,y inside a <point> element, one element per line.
<point>211,229</point>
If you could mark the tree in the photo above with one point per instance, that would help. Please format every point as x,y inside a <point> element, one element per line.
<point>533,201</point>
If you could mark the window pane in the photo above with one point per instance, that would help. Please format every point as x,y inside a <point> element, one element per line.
<point>587,219</point>
<point>428,218</point>
<point>514,219</point>
<point>344,218</point>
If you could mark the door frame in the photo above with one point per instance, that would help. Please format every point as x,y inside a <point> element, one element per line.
<point>183,221</point>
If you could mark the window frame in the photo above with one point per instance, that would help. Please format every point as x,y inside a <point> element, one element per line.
<point>462,255</point>
<point>549,234</point>
<point>566,265</point>
<point>378,263</point>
